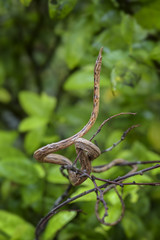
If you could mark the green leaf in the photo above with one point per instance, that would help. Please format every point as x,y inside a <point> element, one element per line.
<point>85,186</point>
<point>54,175</point>
<point>7,137</point>
<point>149,15</point>
<point>58,221</point>
<point>141,153</point>
<point>114,212</point>
<point>15,227</point>
<point>127,28</point>
<point>6,189</point>
<point>155,53</point>
<point>131,224</point>
<point>3,237</point>
<point>31,103</point>
<point>82,79</point>
<point>50,139</point>
<point>48,104</point>
<point>125,75</point>
<point>131,30</point>
<point>132,190</point>
<point>26,2</point>
<point>2,73</point>
<point>35,105</point>
<point>8,151</point>
<point>113,138</point>
<point>5,96</point>
<point>110,59</point>
<point>61,9</point>
<point>32,140</point>
<point>139,32</point>
<point>154,135</point>
<point>31,123</point>
<point>111,38</point>
<point>31,194</point>
<point>18,171</point>
<point>52,10</point>
<point>140,178</point>
<point>75,46</point>
<point>40,170</point>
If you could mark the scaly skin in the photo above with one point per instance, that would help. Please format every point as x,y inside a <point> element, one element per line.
<point>53,147</point>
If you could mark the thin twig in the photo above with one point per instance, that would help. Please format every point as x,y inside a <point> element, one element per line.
<point>108,119</point>
<point>121,139</point>
<point>99,129</point>
<point>120,162</point>
<point>43,221</point>
<point>141,184</point>
<point>63,196</point>
<point>78,155</point>
<point>100,197</point>
<point>137,162</point>
<point>131,183</point>
<point>102,220</point>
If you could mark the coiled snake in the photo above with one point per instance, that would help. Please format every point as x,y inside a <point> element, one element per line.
<point>88,150</point>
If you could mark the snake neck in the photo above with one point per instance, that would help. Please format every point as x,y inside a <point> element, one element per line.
<point>53,147</point>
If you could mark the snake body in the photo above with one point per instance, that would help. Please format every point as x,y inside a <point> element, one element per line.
<point>88,152</point>
<point>41,153</point>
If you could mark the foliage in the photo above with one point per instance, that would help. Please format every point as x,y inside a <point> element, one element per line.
<point>48,51</point>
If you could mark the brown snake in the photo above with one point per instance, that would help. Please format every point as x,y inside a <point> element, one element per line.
<point>89,151</point>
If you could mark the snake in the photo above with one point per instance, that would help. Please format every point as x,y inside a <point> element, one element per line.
<point>88,150</point>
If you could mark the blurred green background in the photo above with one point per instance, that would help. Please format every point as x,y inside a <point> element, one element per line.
<point>47,55</point>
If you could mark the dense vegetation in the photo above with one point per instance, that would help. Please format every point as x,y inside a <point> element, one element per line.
<point>48,52</point>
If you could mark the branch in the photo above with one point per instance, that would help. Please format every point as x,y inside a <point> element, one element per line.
<point>102,220</point>
<point>44,220</point>
<point>99,129</point>
<point>129,175</point>
<point>122,138</point>
<point>108,119</point>
<point>131,183</point>
<point>63,196</point>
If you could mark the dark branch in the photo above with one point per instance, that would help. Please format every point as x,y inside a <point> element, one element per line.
<point>44,220</point>
<point>107,120</point>
<point>122,139</point>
